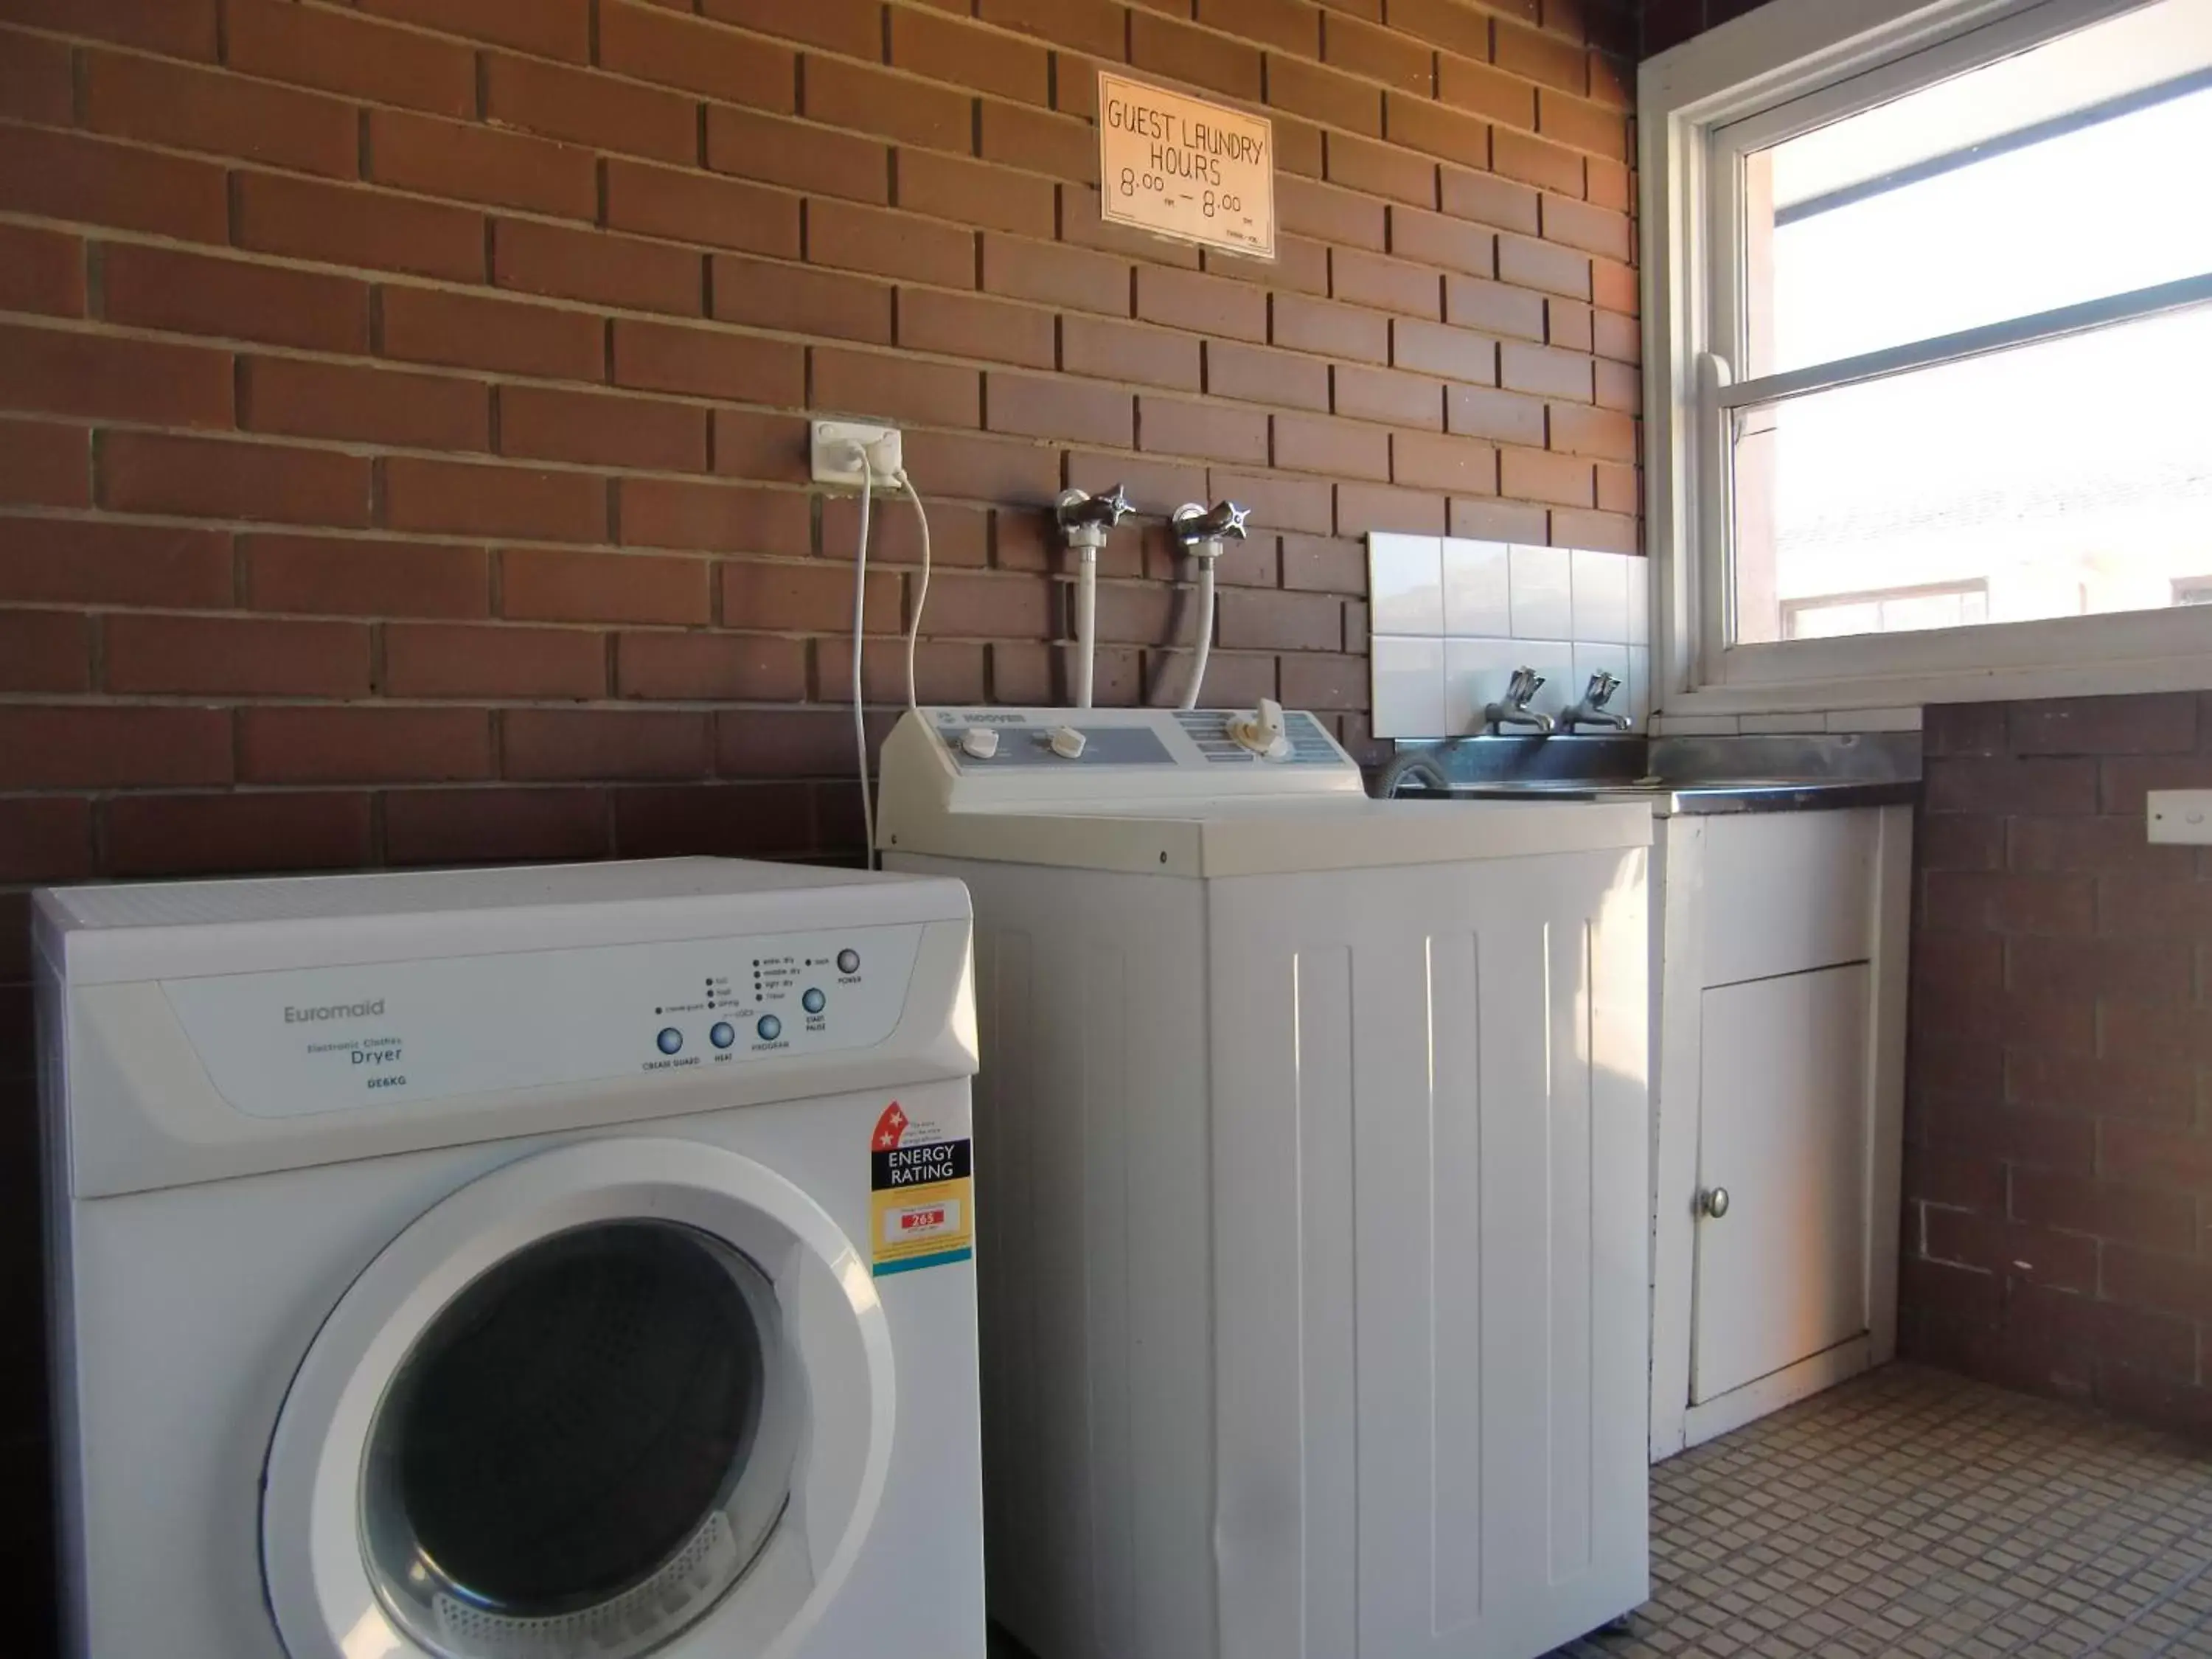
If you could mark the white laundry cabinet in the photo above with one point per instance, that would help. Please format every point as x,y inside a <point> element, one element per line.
<point>1779,978</point>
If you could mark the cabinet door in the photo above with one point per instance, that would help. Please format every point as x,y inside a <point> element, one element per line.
<point>1784,1130</point>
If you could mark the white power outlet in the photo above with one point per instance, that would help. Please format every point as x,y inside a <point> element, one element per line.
<point>836,463</point>
<point>2182,816</point>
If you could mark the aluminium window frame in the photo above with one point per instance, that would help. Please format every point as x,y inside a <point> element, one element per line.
<point>1782,69</point>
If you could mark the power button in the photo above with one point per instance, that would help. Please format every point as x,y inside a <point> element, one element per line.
<point>848,962</point>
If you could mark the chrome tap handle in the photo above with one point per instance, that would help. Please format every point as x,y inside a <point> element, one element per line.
<point>1525,684</point>
<point>1104,510</point>
<point>1600,688</point>
<point>1192,524</point>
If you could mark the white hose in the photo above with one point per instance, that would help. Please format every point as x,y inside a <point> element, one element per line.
<point>859,707</point>
<point>1205,632</point>
<point>921,593</point>
<point>1086,624</point>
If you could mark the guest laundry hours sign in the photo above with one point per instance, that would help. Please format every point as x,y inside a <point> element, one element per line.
<point>1178,167</point>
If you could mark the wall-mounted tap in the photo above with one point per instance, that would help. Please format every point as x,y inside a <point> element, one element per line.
<point>1199,532</point>
<point>1513,709</point>
<point>1592,710</point>
<point>1084,520</point>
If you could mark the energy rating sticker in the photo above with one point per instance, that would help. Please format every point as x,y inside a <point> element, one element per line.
<point>921,1196</point>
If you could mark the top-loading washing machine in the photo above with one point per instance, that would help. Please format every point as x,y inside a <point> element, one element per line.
<point>550,1263</point>
<point>1314,1284</point>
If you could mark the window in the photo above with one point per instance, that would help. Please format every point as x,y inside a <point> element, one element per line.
<point>1892,611</point>
<point>1936,318</point>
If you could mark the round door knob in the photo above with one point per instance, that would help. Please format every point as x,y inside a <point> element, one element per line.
<point>1713,1202</point>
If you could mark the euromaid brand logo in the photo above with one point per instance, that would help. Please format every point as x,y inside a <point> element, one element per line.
<point>334,1011</point>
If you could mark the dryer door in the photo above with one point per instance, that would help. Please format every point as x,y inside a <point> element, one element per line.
<point>624,1397</point>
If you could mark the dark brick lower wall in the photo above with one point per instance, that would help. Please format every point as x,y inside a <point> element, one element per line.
<point>2058,1123</point>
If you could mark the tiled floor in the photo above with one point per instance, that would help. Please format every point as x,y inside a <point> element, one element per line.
<point>1915,1514</point>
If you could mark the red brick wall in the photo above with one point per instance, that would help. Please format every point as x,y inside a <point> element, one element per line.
<point>402,404</point>
<point>2059,1158</point>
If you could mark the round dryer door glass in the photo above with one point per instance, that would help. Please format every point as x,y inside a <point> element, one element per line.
<point>585,1450</point>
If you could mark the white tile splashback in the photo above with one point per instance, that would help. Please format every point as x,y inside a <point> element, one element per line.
<point>1405,584</point>
<point>1454,617</point>
<point>1409,682</point>
<point>1543,593</point>
<point>1478,601</point>
<point>1601,589</point>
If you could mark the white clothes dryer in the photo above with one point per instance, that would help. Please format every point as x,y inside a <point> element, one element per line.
<point>550,1263</point>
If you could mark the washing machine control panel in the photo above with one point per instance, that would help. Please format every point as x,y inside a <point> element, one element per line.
<point>986,740</point>
<point>293,1043</point>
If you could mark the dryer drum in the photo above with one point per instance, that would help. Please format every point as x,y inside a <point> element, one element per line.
<point>554,1467</point>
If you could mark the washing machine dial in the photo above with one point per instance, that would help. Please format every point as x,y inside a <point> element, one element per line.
<point>979,741</point>
<point>1262,731</point>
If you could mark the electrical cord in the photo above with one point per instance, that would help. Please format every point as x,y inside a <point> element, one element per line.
<point>867,464</point>
<point>921,593</point>
<point>859,622</point>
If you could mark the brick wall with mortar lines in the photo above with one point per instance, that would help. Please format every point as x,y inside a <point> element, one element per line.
<point>2058,1158</point>
<point>402,404</point>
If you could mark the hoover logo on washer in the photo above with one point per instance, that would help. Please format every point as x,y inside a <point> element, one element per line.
<point>921,1201</point>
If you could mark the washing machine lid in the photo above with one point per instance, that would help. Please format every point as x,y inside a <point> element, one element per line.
<point>622,1398</point>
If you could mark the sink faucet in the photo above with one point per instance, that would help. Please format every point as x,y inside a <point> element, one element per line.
<point>1514,709</point>
<point>1592,710</point>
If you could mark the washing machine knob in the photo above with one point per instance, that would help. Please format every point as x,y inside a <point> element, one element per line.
<point>1262,731</point>
<point>723,1035</point>
<point>770,1028</point>
<point>670,1040</point>
<point>848,962</point>
<point>814,1002</point>
<point>1067,743</point>
<point>979,741</point>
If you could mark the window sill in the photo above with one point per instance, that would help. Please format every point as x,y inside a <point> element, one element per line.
<point>1898,694</point>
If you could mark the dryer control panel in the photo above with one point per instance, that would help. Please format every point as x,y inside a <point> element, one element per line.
<point>302,1042</point>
